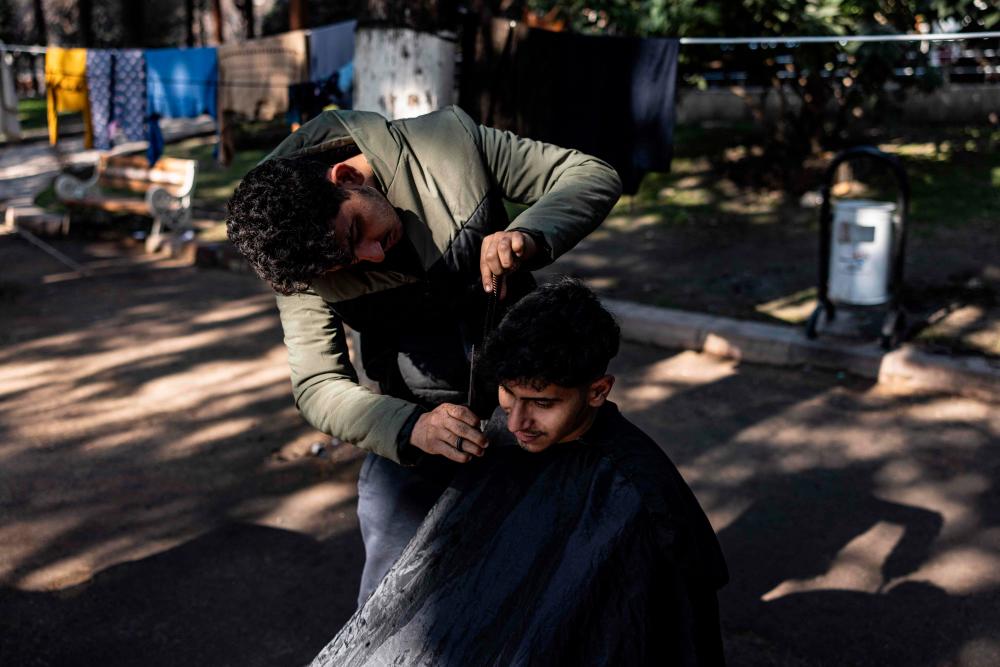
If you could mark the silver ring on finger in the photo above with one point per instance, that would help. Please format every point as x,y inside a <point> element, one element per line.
<point>458,444</point>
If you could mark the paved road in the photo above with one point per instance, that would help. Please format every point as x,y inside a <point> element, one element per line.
<point>159,505</point>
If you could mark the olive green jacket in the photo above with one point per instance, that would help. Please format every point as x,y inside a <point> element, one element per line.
<point>448,176</point>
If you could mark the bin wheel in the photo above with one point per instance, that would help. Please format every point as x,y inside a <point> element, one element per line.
<point>813,322</point>
<point>892,330</point>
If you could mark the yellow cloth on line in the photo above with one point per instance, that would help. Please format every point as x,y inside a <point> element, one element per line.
<point>66,89</point>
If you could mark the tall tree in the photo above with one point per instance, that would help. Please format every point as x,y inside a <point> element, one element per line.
<point>217,21</point>
<point>298,14</point>
<point>41,29</point>
<point>86,22</point>
<point>245,8</point>
<point>189,22</point>
<point>134,23</point>
<point>403,67</point>
<point>857,80</point>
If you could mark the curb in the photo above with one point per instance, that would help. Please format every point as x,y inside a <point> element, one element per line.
<point>906,367</point>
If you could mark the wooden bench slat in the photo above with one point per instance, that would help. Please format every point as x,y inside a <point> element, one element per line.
<point>113,204</point>
<point>152,175</point>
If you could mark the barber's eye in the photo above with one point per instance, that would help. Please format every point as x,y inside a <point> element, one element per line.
<point>544,404</point>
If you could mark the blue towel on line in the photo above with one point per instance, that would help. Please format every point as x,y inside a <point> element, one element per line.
<point>180,83</point>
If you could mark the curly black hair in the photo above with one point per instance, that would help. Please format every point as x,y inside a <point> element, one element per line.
<point>280,221</point>
<point>559,334</point>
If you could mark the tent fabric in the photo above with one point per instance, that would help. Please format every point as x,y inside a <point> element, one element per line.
<point>254,79</point>
<point>66,89</point>
<point>330,48</point>
<point>613,98</point>
<point>116,90</point>
<point>180,83</point>
<point>593,552</point>
<point>10,124</point>
<point>254,76</point>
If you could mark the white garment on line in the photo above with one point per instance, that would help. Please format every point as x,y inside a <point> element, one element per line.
<point>10,126</point>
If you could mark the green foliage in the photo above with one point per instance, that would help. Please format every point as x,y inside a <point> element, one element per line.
<point>828,94</point>
<point>215,184</point>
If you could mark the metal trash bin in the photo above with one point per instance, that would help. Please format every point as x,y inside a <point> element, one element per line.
<point>862,247</point>
<point>861,252</point>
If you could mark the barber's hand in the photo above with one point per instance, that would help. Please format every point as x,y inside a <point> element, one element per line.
<point>503,252</point>
<point>451,431</point>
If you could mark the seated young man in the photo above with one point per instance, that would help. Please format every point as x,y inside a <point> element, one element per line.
<point>573,541</point>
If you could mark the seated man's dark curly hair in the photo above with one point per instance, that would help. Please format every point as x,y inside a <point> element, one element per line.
<point>280,219</point>
<point>559,334</point>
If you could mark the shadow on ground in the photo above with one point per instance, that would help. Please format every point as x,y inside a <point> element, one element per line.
<point>241,594</point>
<point>157,503</point>
<point>860,527</point>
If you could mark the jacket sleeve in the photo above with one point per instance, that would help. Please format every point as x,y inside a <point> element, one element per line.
<point>569,193</point>
<point>325,384</point>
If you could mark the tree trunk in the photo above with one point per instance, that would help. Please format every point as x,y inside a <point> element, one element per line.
<point>402,73</point>
<point>217,20</point>
<point>403,68</point>
<point>248,20</point>
<point>41,28</point>
<point>85,17</point>
<point>298,16</point>
<point>134,22</point>
<point>189,22</point>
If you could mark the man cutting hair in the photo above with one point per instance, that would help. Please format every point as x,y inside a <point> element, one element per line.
<point>397,229</point>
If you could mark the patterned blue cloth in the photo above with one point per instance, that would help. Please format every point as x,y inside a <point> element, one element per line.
<point>99,89</point>
<point>116,86</point>
<point>182,83</point>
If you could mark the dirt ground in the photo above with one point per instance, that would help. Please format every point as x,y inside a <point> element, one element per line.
<point>159,503</point>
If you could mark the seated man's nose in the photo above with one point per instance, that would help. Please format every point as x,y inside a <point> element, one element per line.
<point>516,420</point>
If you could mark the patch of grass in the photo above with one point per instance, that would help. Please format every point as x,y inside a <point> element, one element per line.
<point>47,199</point>
<point>215,184</point>
<point>31,114</point>
<point>957,190</point>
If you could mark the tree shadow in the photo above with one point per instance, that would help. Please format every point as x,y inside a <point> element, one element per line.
<point>241,594</point>
<point>800,472</point>
<point>856,524</point>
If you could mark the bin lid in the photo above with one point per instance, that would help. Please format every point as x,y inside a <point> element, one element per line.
<point>865,203</point>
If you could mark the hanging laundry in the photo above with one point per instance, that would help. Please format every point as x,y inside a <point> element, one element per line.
<point>330,48</point>
<point>10,125</point>
<point>66,89</point>
<point>254,77</point>
<point>612,97</point>
<point>116,87</point>
<point>180,83</point>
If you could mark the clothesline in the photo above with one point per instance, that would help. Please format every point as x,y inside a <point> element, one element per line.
<point>216,82</point>
<point>791,40</point>
<point>841,39</point>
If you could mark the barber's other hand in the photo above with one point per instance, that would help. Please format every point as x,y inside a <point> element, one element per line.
<point>437,432</point>
<point>503,252</point>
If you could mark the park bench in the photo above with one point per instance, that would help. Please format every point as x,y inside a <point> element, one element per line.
<point>127,184</point>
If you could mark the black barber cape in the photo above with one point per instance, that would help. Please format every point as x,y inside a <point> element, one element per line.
<point>593,552</point>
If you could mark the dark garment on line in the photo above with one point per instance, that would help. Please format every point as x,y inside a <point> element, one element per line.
<point>593,552</point>
<point>611,97</point>
<point>307,100</point>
